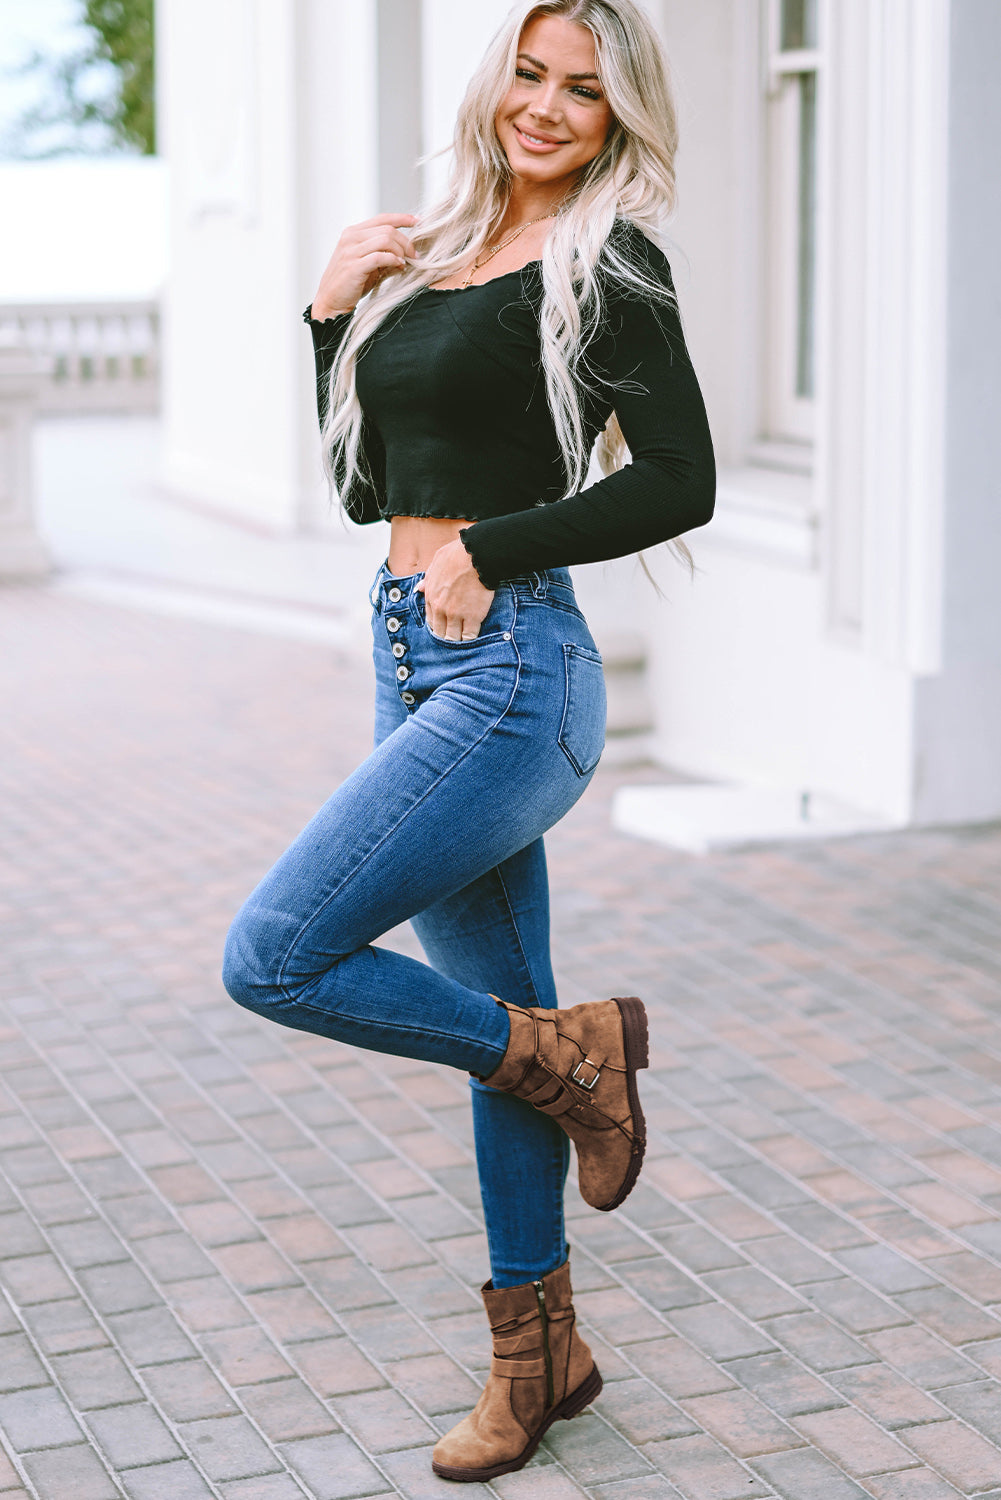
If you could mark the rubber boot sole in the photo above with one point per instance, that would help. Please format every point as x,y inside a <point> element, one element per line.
<point>636,1045</point>
<point>570,1406</point>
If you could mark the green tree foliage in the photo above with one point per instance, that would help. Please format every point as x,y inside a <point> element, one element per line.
<point>98,97</point>
<point>123,36</point>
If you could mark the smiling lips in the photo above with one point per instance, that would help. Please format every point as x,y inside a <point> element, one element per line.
<point>538,143</point>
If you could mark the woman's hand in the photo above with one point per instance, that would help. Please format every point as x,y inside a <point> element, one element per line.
<point>455,601</point>
<point>365,254</point>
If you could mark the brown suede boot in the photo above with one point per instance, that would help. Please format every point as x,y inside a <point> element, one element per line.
<point>541,1371</point>
<point>579,1065</point>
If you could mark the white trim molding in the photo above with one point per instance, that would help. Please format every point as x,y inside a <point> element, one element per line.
<point>767,512</point>
<point>881,443</point>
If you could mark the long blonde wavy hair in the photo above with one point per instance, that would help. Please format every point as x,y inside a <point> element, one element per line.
<point>631,178</point>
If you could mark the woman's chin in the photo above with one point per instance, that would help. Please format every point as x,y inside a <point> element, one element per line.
<point>538,173</point>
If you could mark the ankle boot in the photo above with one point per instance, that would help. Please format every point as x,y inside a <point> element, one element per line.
<point>541,1371</point>
<point>579,1065</point>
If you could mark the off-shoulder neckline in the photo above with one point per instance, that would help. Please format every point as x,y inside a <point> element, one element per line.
<point>476,286</point>
<point>439,291</point>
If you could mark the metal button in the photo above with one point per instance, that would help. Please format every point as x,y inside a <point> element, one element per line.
<point>402,673</point>
<point>507,635</point>
<point>394,595</point>
<point>408,698</point>
<point>393,624</point>
<point>399,649</point>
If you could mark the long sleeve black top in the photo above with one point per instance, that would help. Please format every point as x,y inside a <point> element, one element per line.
<point>456,423</point>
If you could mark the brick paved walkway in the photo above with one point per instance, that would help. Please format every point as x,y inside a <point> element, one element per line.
<point>242,1263</point>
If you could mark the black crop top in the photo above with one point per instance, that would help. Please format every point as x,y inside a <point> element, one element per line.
<point>456,423</point>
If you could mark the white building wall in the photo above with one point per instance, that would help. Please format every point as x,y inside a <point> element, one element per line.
<point>819,647</point>
<point>958,710</point>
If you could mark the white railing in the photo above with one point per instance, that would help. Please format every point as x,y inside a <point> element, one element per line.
<point>102,356</point>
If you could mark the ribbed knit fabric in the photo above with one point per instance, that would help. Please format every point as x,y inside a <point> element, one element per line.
<point>457,424</point>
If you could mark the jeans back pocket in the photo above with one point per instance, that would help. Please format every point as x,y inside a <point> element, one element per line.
<point>582,732</point>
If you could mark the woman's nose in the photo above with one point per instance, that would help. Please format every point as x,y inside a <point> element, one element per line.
<point>546,106</point>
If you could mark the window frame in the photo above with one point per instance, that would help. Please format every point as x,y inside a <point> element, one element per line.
<point>787,417</point>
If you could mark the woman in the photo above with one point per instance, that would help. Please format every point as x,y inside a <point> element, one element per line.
<point>466,365</point>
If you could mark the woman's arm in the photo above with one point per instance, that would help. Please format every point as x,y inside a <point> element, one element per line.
<point>364,255</point>
<point>669,486</point>
<point>328,335</point>
<point>362,498</point>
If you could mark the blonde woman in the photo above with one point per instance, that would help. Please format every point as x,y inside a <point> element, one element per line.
<point>467,363</point>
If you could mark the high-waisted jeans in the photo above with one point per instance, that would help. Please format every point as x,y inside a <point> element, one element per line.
<point>480,747</point>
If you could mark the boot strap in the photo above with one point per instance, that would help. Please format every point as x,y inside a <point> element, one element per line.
<point>563,1101</point>
<point>518,1343</point>
<point>517,1369</point>
<point>561,1314</point>
<point>570,1094</point>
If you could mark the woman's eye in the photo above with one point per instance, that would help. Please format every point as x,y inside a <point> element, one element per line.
<point>578,89</point>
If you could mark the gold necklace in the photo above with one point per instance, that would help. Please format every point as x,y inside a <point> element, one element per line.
<point>478,264</point>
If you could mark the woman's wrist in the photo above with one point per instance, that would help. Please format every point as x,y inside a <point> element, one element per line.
<point>324,310</point>
<point>464,538</point>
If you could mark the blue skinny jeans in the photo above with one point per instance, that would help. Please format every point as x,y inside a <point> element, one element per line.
<point>480,747</point>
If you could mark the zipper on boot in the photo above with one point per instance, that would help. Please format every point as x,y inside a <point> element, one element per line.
<point>540,1293</point>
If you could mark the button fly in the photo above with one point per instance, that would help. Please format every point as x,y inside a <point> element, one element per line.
<point>394,595</point>
<point>393,624</point>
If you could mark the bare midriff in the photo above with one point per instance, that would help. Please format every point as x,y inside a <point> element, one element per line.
<point>414,540</point>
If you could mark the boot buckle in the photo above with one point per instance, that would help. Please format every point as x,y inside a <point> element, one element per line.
<point>586,1083</point>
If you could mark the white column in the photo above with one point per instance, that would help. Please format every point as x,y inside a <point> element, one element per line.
<point>336,183</point>
<point>958,706</point>
<point>455,37</point>
<point>911,452</point>
<point>268,116</point>
<point>882,403</point>
<point>22,554</point>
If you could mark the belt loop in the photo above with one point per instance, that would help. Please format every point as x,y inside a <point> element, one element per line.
<point>540,585</point>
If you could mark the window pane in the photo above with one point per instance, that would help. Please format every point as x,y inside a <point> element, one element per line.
<point>806,255</point>
<point>799,24</point>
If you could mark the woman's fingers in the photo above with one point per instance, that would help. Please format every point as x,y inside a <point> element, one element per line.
<point>383,240</point>
<point>383,237</point>
<point>455,601</point>
<point>364,255</point>
<point>379,259</point>
<point>381,255</point>
<point>396,220</point>
<point>452,627</point>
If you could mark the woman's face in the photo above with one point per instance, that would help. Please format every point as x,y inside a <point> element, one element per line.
<point>555,118</point>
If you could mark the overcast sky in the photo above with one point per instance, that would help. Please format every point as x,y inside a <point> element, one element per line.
<point>27,26</point>
<point>110,210</point>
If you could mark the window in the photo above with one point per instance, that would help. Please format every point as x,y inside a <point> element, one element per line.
<point>792,62</point>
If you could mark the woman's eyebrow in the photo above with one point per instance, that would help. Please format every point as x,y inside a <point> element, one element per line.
<point>576,77</point>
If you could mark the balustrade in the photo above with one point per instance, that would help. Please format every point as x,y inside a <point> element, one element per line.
<point>102,356</point>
